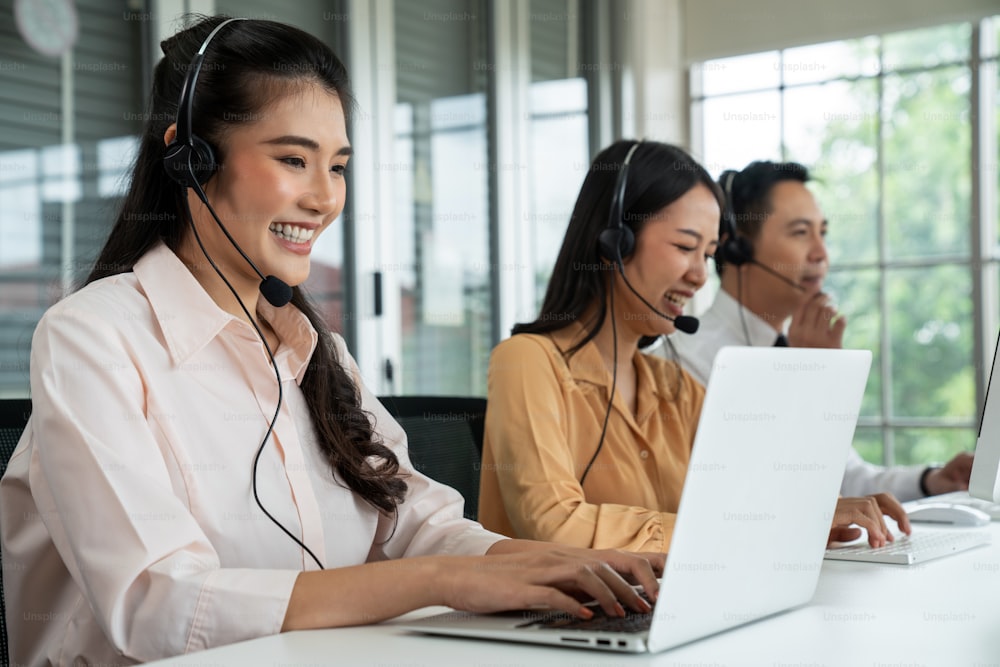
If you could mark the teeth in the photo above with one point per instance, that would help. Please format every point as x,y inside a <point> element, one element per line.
<point>679,300</point>
<point>292,232</point>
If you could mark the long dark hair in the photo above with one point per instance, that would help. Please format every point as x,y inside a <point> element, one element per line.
<point>248,65</point>
<point>658,175</point>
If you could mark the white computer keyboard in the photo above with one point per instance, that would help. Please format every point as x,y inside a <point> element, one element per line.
<point>963,498</point>
<point>916,548</point>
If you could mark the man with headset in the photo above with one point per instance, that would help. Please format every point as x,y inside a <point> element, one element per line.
<point>772,261</point>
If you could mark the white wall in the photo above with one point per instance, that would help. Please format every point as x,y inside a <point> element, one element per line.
<point>720,28</point>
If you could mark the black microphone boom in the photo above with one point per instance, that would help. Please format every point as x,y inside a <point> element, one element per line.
<point>778,275</point>
<point>685,323</point>
<point>275,290</point>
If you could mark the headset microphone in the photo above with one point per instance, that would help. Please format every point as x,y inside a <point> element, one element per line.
<point>190,161</point>
<point>777,275</point>
<point>614,243</point>
<point>275,290</point>
<point>685,323</point>
<point>617,241</point>
<point>735,248</point>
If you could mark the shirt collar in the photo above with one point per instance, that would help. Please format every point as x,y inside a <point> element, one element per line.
<point>729,310</point>
<point>587,365</point>
<point>189,318</point>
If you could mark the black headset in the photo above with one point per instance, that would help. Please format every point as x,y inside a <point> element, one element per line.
<point>617,240</point>
<point>735,249</point>
<point>189,159</point>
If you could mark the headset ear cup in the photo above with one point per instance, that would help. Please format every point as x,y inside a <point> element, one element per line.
<point>626,244</point>
<point>616,243</point>
<point>607,244</point>
<point>189,165</point>
<point>202,160</point>
<point>175,163</point>
<point>736,250</point>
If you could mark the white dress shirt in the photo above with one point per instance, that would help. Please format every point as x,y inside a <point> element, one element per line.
<point>129,527</point>
<point>723,324</point>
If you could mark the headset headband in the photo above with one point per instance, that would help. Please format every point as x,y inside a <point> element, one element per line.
<point>185,107</point>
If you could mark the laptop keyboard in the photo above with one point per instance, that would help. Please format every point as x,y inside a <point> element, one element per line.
<point>632,622</point>
<point>915,548</point>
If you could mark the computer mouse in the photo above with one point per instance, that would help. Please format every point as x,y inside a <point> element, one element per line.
<point>955,515</point>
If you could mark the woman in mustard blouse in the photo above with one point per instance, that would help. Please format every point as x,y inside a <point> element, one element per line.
<point>559,464</point>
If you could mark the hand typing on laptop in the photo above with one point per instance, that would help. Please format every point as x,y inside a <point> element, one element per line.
<point>853,514</point>
<point>541,575</point>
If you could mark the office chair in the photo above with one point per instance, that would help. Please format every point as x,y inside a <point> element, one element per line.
<point>14,413</point>
<point>445,436</point>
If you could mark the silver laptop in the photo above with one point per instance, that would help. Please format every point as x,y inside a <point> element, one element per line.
<point>755,512</point>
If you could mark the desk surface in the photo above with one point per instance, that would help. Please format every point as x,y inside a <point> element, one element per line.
<point>944,612</point>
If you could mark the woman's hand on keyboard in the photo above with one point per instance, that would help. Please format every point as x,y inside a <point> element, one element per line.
<point>519,574</point>
<point>852,514</point>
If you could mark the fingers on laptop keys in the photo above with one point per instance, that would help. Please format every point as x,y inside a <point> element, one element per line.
<point>868,512</point>
<point>892,507</point>
<point>638,569</point>
<point>605,576</point>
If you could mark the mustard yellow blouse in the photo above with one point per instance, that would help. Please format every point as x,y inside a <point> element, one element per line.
<point>543,424</point>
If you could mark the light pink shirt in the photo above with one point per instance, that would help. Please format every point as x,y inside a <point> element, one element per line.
<point>129,528</point>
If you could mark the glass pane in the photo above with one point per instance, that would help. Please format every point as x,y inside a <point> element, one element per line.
<point>856,294</point>
<point>442,198</point>
<point>757,71</point>
<point>930,323</point>
<point>996,34</point>
<point>927,137</point>
<point>832,129</point>
<point>821,62</point>
<point>931,445</point>
<point>926,47</point>
<point>741,128</point>
<point>559,163</point>
<point>555,39</point>
<point>58,197</point>
<point>868,443</point>
<point>558,133</point>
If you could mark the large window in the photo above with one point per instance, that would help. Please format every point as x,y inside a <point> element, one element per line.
<point>559,150</point>
<point>442,172</point>
<point>67,126</point>
<point>887,125</point>
<point>447,173</point>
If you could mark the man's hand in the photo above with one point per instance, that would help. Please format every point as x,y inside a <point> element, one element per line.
<point>954,476</point>
<point>816,323</point>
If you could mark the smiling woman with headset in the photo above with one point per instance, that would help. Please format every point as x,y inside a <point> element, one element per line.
<point>204,466</point>
<point>587,440</point>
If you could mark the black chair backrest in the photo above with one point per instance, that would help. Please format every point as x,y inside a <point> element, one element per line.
<point>445,436</point>
<point>14,413</point>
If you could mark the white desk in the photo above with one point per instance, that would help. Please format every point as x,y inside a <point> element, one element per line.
<point>945,612</point>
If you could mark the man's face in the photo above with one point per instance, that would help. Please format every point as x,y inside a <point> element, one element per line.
<point>791,242</point>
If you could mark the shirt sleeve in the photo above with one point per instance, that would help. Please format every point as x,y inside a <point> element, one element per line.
<point>862,478</point>
<point>430,521</point>
<point>102,487</point>
<point>528,451</point>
